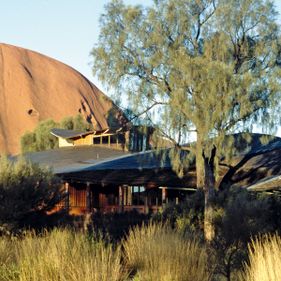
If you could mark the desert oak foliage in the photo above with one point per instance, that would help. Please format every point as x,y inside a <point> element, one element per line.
<point>208,67</point>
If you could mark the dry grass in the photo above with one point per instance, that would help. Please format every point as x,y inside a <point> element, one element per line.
<point>265,260</point>
<point>156,252</point>
<point>153,252</point>
<point>62,256</point>
<point>7,260</point>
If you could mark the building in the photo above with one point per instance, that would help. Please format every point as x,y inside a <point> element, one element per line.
<point>135,138</point>
<point>101,177</point>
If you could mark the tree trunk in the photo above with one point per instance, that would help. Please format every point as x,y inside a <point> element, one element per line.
<point>199,164</point>
<point>209,191</point>
<point>205,175</point>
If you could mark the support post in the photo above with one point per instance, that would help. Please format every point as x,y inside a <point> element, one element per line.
<point>146,210</point>
<point>88,198</point>
<point>121,199</point>
<point>138,200</point>
<point>66,203</point>
<point>164,196</point>
<point>130,197</point>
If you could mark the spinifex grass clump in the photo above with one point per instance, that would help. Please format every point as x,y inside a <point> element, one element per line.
<point>156,252</point>
<point>264,260</point>
<point>8,268</point>
<point>62,255</point>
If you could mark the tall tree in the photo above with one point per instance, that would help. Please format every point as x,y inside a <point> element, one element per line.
<point>208,67</point>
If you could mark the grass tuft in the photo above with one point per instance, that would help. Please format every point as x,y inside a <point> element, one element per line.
<point>60,255</point>
<point>156,252</point>
<point>264,260</point>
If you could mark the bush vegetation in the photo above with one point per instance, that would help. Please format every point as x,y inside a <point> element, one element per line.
<point>41,139</point>
<point>153,251</point>
<point>240,216</point>
<point>170,247</point>
<point>26,192</point>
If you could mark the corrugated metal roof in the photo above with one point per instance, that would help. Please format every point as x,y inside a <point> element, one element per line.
<point>75,158</point>
<point>255,161</point>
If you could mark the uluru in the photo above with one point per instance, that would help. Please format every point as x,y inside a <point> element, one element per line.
<point>34,87</point>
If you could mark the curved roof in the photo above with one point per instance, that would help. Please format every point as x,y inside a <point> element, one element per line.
<point>254,162</point>
<point>69,134</point>
<point>72,134</point>
<point>74,158</point>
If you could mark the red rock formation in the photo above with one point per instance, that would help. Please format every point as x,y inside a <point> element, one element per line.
<point>34,87</point>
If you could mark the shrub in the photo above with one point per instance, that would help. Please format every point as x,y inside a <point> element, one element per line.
<point>264,260</point>
<point>25,190</point>
<point>117,225</point>
<point>157,252</point>
<point>240,215</point>
<point>187,216</point>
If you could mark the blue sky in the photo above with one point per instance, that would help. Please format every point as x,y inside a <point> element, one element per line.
<point>63,29</point>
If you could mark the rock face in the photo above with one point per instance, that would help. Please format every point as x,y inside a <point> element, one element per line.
<point>34,87</point>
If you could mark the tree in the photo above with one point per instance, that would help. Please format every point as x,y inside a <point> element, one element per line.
<point>25,190</point>
<point>75,123</point>
<point>41,138</point>
<point>207,67</point>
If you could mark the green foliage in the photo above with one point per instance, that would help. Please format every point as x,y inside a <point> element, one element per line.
<point>28,142</point>
<point>75,123</point>
<point>41,138</point>
<point>25,191</point>
<point>207,67</point>
<point>198,71</point>
<point>117,225</point>
<point>187,216</point>
<point>239,216</point>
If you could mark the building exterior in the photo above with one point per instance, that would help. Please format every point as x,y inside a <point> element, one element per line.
<point>135,138</point>
<point>104,178</point>
<point>88,192</point>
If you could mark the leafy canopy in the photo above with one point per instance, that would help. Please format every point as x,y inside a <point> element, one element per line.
<point>209,67</point>
<point>41,138</point>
